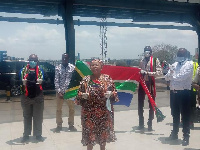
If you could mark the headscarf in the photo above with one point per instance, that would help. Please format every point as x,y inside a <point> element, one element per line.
<point>98,60</point>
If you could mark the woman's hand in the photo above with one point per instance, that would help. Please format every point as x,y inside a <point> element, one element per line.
<point>85,95</point>
<point>108,94</point>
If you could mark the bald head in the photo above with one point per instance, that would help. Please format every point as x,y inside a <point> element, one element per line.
<point>65,59</point>
<point>33,60</point>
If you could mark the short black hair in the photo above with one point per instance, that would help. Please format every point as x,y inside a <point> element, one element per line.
<point>182,52</point>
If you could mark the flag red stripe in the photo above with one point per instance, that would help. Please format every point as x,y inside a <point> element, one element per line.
<point>122,73</point>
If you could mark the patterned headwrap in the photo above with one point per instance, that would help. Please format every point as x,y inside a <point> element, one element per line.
<point>98,60</point>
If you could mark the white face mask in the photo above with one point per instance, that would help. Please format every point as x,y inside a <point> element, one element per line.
<point>147,54</point>
<point>180,59</point>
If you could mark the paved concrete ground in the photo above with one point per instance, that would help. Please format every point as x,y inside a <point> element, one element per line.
<point>126,121</point>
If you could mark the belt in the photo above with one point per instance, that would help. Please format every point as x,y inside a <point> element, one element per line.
<point>177,91</point>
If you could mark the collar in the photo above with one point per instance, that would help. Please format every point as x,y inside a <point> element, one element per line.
<point>183,63</point>
<point>64,66</point>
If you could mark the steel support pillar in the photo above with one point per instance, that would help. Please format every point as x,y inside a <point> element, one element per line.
<point>67,8</point>
<point>197,17</point>
<point>198,34</point>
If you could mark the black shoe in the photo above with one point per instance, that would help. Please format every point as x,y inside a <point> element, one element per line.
<point>192,126</point>
<point>58,129</point>
<point>39,138</point>
<point>185,142</point>
<point>140,128</point>
<point>172,137</point>
<point>149,123</point>
<point>72,128</point>
<point>25,139</point>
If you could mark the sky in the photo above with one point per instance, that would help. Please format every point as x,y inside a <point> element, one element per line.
<point>48,41</point>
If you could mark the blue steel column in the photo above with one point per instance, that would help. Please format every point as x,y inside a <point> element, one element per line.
<point>67,9</point>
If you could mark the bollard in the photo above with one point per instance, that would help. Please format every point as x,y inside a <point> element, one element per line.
<point>8,93</point>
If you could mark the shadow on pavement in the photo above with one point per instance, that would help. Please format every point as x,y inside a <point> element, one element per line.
<point>143,131</point>
<point>164,140</point>
<point>17,141</point>
<point>64,129</point>
<point>170,124</point>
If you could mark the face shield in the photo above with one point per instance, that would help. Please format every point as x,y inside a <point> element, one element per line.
<point>147,54</point>
<point>182,55</point>
<point>32,64</point>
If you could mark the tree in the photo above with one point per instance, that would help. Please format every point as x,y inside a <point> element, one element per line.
<point>165,52</point>
<point>121,63</point>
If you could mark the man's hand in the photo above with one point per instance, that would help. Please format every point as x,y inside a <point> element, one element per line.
<point>171,68</point>
<point>196,86</point>
<point>39,81</point>
<point>143,72</point>
<point>108,94</point>
<point>24,81</point>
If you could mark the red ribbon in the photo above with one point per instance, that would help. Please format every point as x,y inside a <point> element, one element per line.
<point>144,86</point>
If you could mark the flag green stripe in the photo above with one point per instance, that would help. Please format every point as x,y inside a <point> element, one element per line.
<point>84,69</point>
<point>75,80</point>
<point>126,86</point>
<point>70,94</point>
<point>80,71</point>
<point>71,89</point>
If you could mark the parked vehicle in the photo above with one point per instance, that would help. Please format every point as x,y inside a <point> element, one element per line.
<point>9,75</point>
<point>165,67</point>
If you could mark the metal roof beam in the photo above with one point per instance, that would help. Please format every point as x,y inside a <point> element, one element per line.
<point>154,5</point>
<point>94,23</point>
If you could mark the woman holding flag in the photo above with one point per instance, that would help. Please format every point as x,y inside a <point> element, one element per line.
<point>96,94</point>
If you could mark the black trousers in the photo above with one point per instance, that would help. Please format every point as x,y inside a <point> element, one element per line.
<point>181,104</point>
<point>32,111</point>
<point>193,105</point>
<point>141,97</point>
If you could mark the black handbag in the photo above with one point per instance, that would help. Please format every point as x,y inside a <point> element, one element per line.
<point>32,87</point>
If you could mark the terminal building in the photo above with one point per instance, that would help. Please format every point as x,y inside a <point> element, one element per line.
<point>3,55</point>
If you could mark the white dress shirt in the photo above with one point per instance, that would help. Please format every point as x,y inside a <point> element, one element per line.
<point>181,76</point>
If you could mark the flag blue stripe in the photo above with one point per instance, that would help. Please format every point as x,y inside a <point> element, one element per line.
<point>124,99</point>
